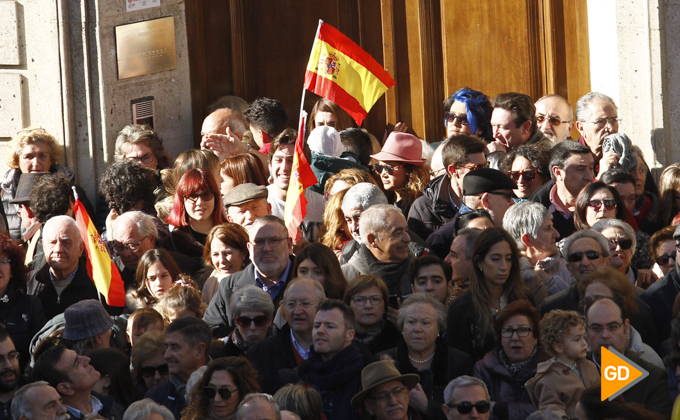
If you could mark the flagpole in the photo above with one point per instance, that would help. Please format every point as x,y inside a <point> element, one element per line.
<point>311,54</point>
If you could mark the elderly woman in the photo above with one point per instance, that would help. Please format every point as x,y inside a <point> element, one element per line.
<point>622,242</point>
<point>253,313</point>
<point>368,298</point>
<point>22,314</point>
<point>32,150</point>
<point>149,367</point>
<point>646,195</point>
<point>495,281</point>
<point>421,350</point>
<point>146,409</point>
<point>543,269</point>
<point>528,167</point>
<point>513,361</point>
<point>663,250</point>
<point>468,111</point>
<point>224,384</point>
<point>403,171</point>
<point>226,251</point>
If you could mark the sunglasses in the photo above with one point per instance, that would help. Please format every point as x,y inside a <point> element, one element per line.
<point>466,407</point>
<point>664,259</point>
<point>390,169</point>
<point>451,117</point>
<point>225,393</point>
<point>150,371</point>
<point>527,175</point>
<point>554,120</point>
<point>625,244</point>
<point>578,256</point>
<point>609,204</point>
<point>204,196</point>
<point>245,322</point>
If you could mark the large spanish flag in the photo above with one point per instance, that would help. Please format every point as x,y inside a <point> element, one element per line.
<point>339,70</point>
<point>100,268</point>
<point>301,177</point>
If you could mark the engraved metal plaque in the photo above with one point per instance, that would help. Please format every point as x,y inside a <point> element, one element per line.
<point>146,47</point>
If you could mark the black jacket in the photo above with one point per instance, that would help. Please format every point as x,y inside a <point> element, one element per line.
<point>274,359</point>
<point>433,209</point>
<point>462,331</point>
<point>218,314</point>
<point>81,287</point>
<point>168,396</point>
<point>562,225</point>
<point>660,297</point>
<point>23,316</point>
<point>447,364</point>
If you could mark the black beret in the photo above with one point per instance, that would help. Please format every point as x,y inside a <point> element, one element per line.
<point>485,180</point>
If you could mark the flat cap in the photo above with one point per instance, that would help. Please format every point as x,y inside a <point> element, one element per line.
<point>243,193</point>
<point>486,179</point>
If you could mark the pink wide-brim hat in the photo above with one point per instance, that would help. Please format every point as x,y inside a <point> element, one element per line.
<point>402,147</point>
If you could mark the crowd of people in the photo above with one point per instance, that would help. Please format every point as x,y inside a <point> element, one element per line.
<point>477,277</point>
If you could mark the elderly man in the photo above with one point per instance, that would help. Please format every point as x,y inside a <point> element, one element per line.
<point>466,398</point>
<point>608,326</point>
<point>490,190</point>
<point>276,357</point>
<point>334,355</point>
<point>571,168</point>
<point>555,117</point>
<point>74,379</point>
<point>357,199</point>
<point>586,251</point>
<point>596,117</point>
<point>443,196</point>
<point>384,250</point>
<point>133,234</point>
<point>514,123</point>
<point>258,407</point>
<point>10,373</point>
<point>38,401</point>
<point>271,269</point>
<point>245,203</point>
<point>63,280</point>
<point>280,166</point>
<point>385,392</point>
<point>460,258</point>
<point>543,269</point>
<point>187,343</point>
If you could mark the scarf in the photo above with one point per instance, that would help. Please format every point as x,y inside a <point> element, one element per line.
<point>513,368</point>
<point>389,272</point>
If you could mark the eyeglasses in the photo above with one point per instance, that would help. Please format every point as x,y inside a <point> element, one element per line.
<point>598,329</point>
<point>461,118</point>
<point>472,166</point>
<point>246,322</point>
<point>205,196</point>
<point>438,172</point>
<point>466,407</point>
<point>384,396</point>
<point>527,175</point>
<point>145,159</point>
<point>521,332</point>
<point>614,121</point>
<point>361,300</point>
<point>609,204</point>
<point>554,120</point>
<point>625,244</point>
<point>260,243</point>
<point>5,261</point>
<point>578,256</point>
<point>290,306</point>
<point>662,260</point>
<point>150,371</point>
<point>390,169</point>
<point>133,247</point>
<point>225,392</point>
<point>13,355</point>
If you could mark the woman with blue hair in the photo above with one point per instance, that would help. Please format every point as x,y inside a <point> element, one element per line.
<point>468,111</point>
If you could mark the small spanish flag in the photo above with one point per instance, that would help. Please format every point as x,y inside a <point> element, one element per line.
<point>301,177</point>
<point>339,70</point>
<point>100,268</point>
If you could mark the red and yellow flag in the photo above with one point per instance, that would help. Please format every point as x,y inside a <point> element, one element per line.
<point>100,268</point>
<point>339,70</point>
<point>301,177</point>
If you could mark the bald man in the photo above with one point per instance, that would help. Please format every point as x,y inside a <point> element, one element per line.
<point>554,117</point>
<point>222,132</point>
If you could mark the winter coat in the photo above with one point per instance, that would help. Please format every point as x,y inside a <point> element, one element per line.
<point>660,297</point>
<point>274,359</point>
<point>395,275</point>
<point>564,226</point>
<point>462,329</point>
<point>433,209</point>
<point>23,316</point>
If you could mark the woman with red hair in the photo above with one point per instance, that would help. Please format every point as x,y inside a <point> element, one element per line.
<point>196,209</point>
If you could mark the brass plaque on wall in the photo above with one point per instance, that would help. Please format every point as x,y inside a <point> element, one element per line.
<point>146,47</point>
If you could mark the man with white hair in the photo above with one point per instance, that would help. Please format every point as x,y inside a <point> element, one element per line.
<point>597,116</point>
<point>63,280</point>
<point>357,199</point>
<point>543,270</point>
<point>38,401</point>
<point>384,250</point>
<point>258,407</point>
<point>468,398</point>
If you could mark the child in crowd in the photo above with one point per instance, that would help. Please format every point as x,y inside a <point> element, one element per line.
<point>559,382</point>
<point>184,299</point>
<point>141,321</point>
